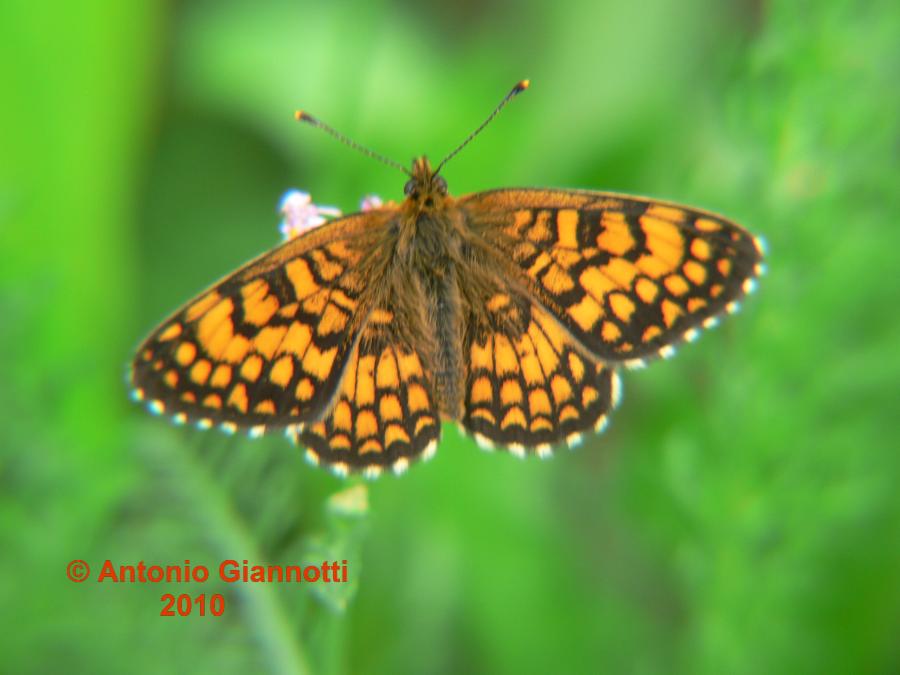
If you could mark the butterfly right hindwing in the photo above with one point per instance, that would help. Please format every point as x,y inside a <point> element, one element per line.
<point>528,385</point>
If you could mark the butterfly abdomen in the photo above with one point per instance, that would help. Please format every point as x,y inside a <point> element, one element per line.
<point>433,255</point>
<point>446,320</point>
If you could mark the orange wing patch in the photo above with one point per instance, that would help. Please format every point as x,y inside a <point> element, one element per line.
<point>385,414</point>
<point>629,277</point>
<point>268,345</point>
<point>527,385</point>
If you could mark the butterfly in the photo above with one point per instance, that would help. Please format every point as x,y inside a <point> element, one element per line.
<point>510,311</point>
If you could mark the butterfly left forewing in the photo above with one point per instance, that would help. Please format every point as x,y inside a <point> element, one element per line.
<point>266,347</point>
<point>629,277</point>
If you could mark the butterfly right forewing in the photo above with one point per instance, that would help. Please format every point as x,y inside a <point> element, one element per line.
<point>629,277</point>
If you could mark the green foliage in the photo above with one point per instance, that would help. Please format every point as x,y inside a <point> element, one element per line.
<point>740,515</point>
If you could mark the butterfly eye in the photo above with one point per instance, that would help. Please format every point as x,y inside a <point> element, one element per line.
<point>411,185</point>
<point>440,184</point>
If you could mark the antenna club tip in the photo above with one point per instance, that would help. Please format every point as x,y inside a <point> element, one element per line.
<point>302,116</point>
<point>522,86</point>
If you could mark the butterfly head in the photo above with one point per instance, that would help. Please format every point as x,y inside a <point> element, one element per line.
<point>425,190</point>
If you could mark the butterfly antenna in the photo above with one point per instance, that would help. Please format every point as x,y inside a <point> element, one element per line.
<point>515,91</point>
<point>302,116</point>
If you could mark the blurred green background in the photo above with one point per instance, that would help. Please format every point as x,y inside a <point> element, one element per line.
<point>740,516</point>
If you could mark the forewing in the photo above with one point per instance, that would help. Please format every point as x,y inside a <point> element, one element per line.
<point>266,346</point>
<point>629,277</point>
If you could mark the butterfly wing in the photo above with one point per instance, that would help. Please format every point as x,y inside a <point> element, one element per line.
<point>529,384</point>
<point>267,346</point>
<point>385,415</point>
<point>322,335</point>
<point>628,277</point>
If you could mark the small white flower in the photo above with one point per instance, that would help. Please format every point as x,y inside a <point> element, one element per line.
<point>370,202</point>
<point>300,214</point>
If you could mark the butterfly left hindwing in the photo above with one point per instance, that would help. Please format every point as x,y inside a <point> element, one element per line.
<point>385,414</point>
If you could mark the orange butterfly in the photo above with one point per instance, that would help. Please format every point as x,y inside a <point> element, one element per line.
<point>510,311</point>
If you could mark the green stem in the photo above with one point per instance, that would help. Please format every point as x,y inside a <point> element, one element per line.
<point>273,631</point>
